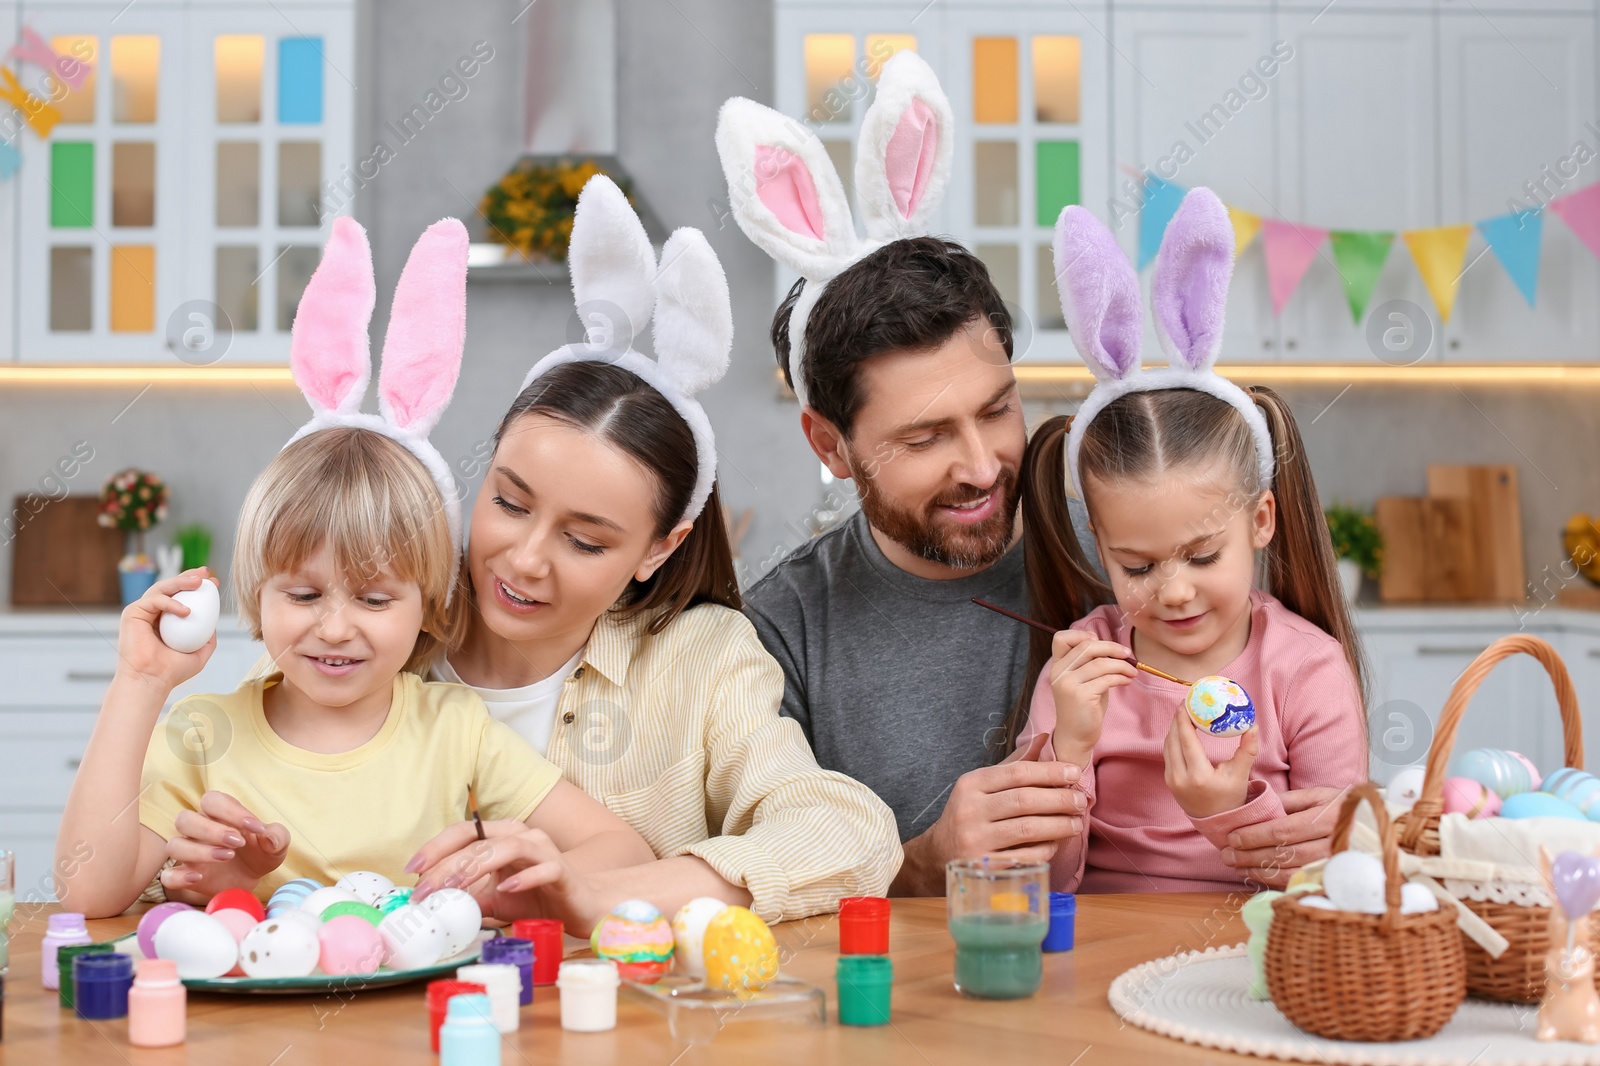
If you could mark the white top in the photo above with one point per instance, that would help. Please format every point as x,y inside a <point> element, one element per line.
<point>530,710</point>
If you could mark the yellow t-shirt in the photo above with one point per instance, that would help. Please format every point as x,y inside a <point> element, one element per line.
<point>370,808</point>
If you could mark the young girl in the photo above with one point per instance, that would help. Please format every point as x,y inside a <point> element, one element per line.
<point>1186,479</point>
<point>344,759</point>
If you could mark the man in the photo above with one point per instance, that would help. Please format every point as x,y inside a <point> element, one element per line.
<point>897,678</point>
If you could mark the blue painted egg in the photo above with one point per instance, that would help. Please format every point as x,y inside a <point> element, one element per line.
<point>1219,706</point>
<point>290,895</point>
<point>1538,805</point>
<point>1577,787</point>
<point>1502,772</point>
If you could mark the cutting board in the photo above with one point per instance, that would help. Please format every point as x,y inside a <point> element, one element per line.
<point>1495,524</point>
<point>62,557</point>
<point>1402,579</point>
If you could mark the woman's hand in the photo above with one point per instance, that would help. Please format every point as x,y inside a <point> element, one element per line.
<point>1083,671</point>
<point>1200,788</point>
<point>517,872</point>
<point>142,655</point>
<point>221,846</point>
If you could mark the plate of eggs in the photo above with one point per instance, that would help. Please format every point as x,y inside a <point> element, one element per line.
<point>362,932</point>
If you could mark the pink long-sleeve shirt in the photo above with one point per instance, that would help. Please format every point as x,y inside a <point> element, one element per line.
<point>1309,711</point>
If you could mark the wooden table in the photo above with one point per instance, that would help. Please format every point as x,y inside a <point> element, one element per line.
<point>1068,1023</point>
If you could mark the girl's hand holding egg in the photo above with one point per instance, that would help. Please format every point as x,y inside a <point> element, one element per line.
<point>1203,789</point>
<point>142,654</point>
<point>1083,671</point>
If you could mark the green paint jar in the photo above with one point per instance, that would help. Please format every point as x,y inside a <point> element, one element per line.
<point>64,957</point>
<point>864,985</point>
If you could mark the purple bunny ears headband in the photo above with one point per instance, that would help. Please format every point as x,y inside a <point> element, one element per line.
<point>328,348</point>
<point>619,288</point>
<point>1188,295</point>
<point>786,196</point>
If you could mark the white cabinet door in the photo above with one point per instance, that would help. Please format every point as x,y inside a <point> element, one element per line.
<point>1581,650</point>
<point>1517,95</point>
<point>1196,94</point>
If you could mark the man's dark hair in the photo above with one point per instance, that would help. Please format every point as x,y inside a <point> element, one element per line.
<point>910,295</point>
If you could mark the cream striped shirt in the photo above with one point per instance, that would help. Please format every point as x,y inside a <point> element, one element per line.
<point>679,734</point>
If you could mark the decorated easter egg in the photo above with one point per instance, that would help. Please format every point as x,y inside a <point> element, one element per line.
<point>1577,787</point>
<point>689,933</point>
<point>412,937</point>
<point>151,921</point>
<point>201,945</point>
<point>277,948</point>
<point>1502,772</point>
<point>323,898</point>
<point>237,899</point>
<point>1354,881</point>
<point>348,944</point>
<point>1220,707</point>
<point>637,937</point>
<point>1535,781</point>
<point>392,899</point>
<point>741,952</point>
<point>1463,795</point>
<point>367,886</point>
<point>239,923</point>
<point>1538,805</point>
<point>190,632</point>
<point>1416,899</point>
<point>458,914</point>
<point>345,909</point>
<point>1405,787</point>
<point>290,895</point>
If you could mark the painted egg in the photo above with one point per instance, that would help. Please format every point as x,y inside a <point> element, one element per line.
<point>741,952</point>
<point>348,944</point>
<point>239,923</point>
<point>637,937</point>
<point>1354,881</point>
<point>201,945</point>
<point>191,631</point>
<point>412,937</point>
<point>689,933</point>
<point>290,895</point>
<point>323,898</point>
<point>1538,805</point>
<point>1405,787</point>
<point>458,914</point>
<point>346,908</point>
<point>1416,899</point>
<point>393,899</point>
<point>1463,795</point>
<point>1503,772</point>
<point>237,899</point>
<point>1577,787</point>
<point>277,948</point>
<point>1218,706</point>
<point>1535,781</point>
<point>367,886</point>
<point>151,921</point>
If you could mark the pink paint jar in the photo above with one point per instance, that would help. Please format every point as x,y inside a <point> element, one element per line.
<point>157,1003</point>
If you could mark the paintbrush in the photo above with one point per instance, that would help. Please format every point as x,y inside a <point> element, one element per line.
<point>1041,627</point>
<point>472,805</point>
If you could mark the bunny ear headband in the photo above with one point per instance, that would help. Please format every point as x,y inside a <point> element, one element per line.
<point>788,199</point>
<point>1188,295</point>
<point>619,287</point>
<point>328,348</point>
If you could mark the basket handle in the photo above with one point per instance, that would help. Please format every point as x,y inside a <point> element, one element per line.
<point>1431,802</point>
<point>1368,792</point>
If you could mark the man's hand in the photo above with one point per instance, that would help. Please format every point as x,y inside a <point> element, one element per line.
<point>1272,851</point>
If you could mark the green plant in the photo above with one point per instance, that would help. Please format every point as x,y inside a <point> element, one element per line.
<point>132,500</point>
<point>531,207</point>
<point>1355,537</point>
<point>195,540</point>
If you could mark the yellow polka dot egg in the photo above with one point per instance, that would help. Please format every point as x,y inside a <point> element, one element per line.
<point>741,953</point>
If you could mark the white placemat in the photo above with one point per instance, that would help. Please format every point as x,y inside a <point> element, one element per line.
<point>1201,997</point>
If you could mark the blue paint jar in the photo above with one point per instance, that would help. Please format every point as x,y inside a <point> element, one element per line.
<point>468,1036</point>
<point>512,951</point>
<point>100,984</point>
<point>1063,918</point>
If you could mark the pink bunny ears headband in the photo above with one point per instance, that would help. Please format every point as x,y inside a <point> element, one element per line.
<point>1188,295</point>
<point>619,288</point>
<point>328,348</point>
<point>788,199</point>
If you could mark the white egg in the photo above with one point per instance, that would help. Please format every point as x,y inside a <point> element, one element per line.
<point>305,918</point>
<point>1416,899</point>
<point>689,933</point>
<point>1405,787</point>
<point>191,632</point>
<point>1321,903</point>
<point>458,914</point>
<point>323,898</point>
<point>412,937</point>
<point>1354,881</point>
<point>278,948</point>
<point>200,944</point>
<point>367,886</point>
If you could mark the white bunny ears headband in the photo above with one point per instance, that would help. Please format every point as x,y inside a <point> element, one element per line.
<point>788,199</point>
<point>1188,296</point>
<point>618,288</point>
<point>328,349</point>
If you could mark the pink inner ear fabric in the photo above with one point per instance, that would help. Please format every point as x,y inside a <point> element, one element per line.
<point>908,160</point>
<point>785,186</point>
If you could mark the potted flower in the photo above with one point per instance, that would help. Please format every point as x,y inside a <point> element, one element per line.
<point>133,501</point>
<point>1357,544</point>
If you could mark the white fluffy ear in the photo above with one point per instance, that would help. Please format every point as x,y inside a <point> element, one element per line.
<point>694,313</point>
<point>904,151</point>
<point>783,190</point>
<point>613,266</point>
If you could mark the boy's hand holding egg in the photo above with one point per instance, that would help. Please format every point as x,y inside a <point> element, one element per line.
<point>1083,671</point>
<point>221,846</point>
<point>181,606</point>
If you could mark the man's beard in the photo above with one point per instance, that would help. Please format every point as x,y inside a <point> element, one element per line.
<point>926,534</point>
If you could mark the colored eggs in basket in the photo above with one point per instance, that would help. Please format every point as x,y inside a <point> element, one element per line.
<point>689,933</point>
<point>1354,881</point>
<point>1220,707</point>
<point>1506,773</point>
<point>290,895</point>
<point>1405,787</point>
<point>1463,795</point>
<point>458,914</point>
<point>1538,805</point>
<point>741,953</point>
<point>1577,787</point>
<point>349,945</point>
<point>637,937</point>
<point>279,948</point>
<point>200,945</point>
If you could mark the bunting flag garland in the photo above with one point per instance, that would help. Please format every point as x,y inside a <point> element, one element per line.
<point>1360,258</point>
<point>1515,240</point>
<point>1440,254</point>
<point>1581,212</point>
<point>1161,200</point>
<point>1290,250</point>
<point>1246,225</point>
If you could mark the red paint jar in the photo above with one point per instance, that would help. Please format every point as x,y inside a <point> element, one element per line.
<point>863,925</point>
<point>546,934</point>
<point>439,993</point>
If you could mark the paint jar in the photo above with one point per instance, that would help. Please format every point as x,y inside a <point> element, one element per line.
<point>864,984</point>
<point>998,918</point>
<point>1063,916</point>
<point>156,1005</point>
<point>588,995</point>
<point>502,984</point>
<point>64,959</point>
<point>439,993</point>
<point>546,934</point>
<point>512,951</point>
<point>468,1036</point>
<point>100,984</point>
<point>65,930</point>
<point>863,925</point>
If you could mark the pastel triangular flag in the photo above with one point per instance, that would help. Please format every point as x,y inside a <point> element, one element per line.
<point>10,160</point>
<point>1161,200</point>
<point>1515,240</point>
<point>1360,258</point>
<point>1440,253</point>
<point>1246,225</point>
<point>1289,249</point>
<point>1581,212</point>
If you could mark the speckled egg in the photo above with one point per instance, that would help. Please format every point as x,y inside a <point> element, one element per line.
<point>412,937</point>
<point>348,944</point>
<point>393,900</point>
<point>278,948</point>
<point>1218,706</point>
<point>346,908</point>
<point>1463,795</point>
<point>200,944</point>
<point>637,937</point>
<point>367,886</point>
<point>323,898</point>
<point>689,933</point>
<point>290,895</point>
<point>1405,787</point>
<point>1538,805</point>
<point>741,952</point>
<point>458,914</point>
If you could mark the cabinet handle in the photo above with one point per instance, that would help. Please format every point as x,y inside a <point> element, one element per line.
<point>1446,649</point>
<point>74,763</point>
<point>1455,344</point>
<point>1266,343</point>
<point>1290,344</point>
<point>1594,653</point>
<point>91,675</point>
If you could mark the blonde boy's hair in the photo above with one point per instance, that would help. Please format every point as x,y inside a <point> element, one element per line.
<point>367,498</point>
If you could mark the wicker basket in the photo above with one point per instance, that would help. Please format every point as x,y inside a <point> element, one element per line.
<point>1348,976</point>
<point>1517,976</point>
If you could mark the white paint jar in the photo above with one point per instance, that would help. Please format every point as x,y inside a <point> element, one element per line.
<point>588,995</point>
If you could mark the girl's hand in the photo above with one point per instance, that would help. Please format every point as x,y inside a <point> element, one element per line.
<point>517,872</point>
<point>221,846</point>
<point>1083,671</point>
<point>142,656</point>
<point>1200,788</point>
